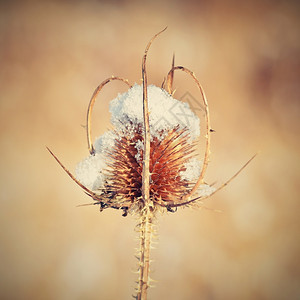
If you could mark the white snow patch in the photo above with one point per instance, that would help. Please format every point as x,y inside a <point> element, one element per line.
<point>88,171</point>
<point>105,142</point>
<point>193,170</point>
<point>205,190</point>
<point>139,146</point>
<point>165,112</point>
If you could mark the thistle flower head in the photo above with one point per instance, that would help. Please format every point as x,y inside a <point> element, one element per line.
<point>114,170</point>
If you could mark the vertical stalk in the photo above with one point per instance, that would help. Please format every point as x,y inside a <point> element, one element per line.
<point>146,229</point>
<point>147,207</point>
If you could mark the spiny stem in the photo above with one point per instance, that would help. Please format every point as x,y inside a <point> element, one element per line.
<point>146,224</point>
<point>146,230</point>
<point>146,158</point>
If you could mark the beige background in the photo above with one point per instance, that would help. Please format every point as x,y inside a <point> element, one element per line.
<point>53,55</point>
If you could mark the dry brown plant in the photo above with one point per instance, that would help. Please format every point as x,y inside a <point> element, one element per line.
<point>132,186</point>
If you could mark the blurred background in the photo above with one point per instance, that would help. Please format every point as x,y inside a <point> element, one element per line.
<point>246,55</point>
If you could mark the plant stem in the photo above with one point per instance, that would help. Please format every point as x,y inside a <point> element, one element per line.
<point>147,208</point>
<point>146,229</point>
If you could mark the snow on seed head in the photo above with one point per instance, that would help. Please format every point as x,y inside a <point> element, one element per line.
<point>89,171</point>
<point>172,127</point>
<point>165,112</point>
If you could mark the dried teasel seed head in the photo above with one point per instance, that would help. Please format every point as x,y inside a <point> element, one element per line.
<point>114,170</point>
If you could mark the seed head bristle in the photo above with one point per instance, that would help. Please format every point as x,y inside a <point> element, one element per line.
<point>168,154</point>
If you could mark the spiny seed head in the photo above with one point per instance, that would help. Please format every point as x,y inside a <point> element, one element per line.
<point>114,171</point>
<point>167,161</point>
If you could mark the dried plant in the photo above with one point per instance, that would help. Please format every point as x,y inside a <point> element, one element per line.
<point>141,167</point>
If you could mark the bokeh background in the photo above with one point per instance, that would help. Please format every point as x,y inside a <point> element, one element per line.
<point>246,55</point>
